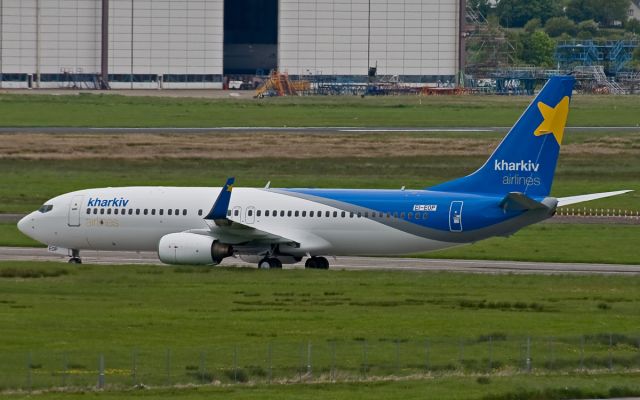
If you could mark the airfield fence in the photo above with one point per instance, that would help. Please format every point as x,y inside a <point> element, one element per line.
<point>328,361</point>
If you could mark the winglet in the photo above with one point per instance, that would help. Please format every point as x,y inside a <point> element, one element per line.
<point>220,207</point>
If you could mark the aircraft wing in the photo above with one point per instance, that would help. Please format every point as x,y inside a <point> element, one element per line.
<point>565,201</point>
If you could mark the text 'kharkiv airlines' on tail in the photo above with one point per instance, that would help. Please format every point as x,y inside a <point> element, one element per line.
<point>272,227</point>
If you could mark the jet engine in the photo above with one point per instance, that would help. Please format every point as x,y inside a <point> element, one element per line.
<point>191,248</point>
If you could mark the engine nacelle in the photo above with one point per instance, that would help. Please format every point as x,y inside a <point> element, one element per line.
<point>191,248</point>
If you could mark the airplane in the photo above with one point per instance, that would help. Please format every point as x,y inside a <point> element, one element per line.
<point>272,227</point>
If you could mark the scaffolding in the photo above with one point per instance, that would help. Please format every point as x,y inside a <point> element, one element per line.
<point>613,56</point>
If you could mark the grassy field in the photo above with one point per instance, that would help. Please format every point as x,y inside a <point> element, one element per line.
<point>107,307</point>
<point>121,111</point>
<point>58,318</point>
<point>460,388</point>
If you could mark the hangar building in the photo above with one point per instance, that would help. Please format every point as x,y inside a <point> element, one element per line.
<point>196,43</point>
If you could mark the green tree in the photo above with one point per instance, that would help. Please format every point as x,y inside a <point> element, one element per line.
<point>588,29</point>
<point>516,13</point>
<point>537,49</point>
<point>633,26</point>
<point>533,25</point>
<point>556,26</point>
<point>603,11</point>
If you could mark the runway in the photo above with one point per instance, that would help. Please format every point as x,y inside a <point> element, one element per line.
<point>290,130</point>
<point>349,263</point>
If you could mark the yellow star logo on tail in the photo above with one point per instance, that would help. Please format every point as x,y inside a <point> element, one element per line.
<point>555,119</point>
<point>229,188</point>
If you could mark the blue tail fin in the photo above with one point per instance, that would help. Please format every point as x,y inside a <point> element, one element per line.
<point>525,160</point>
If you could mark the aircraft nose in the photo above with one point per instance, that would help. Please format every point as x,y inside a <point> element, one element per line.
<point>25,225</point>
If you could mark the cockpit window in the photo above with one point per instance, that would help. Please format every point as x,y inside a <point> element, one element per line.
<point>46,208</point>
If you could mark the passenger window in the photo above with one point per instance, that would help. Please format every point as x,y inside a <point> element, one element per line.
<point>115,211</point>
<point>297,213</point>
<point>108,211</point>
<point>266,213</point>
<point>282,213</point>
<point>344,214</point>
<point>395,214</point>
<point>95,211</point>
<point>425,215</point>
<point>417,215</point>
<point>250,213</point>
<point>153,211</point>
<point>319,214</point>
<point>200,212</point>
<point>131,211</point>
<point>351,215</point>
<point>177,212</point>
<point>236,213</point>
<point>359,215</point>
<point>146,211</point>
<point>366,214</point>
<point>161,211</point>
<point>137,211</point>
<point>402,215</point>
<point>228,213</point>
<point>88,211</point>
<point>410,216</point>
<point>311,214</point>
<point>169,212</point>
<point>289,213</point>
<point>304,213</point>
<point>275,213</point>
<point>184,212</point>
<point>388,215</point>
<point>101,211</point>
<point>123,212</point>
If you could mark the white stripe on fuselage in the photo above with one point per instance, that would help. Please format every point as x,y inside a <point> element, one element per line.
<point>317,235</point>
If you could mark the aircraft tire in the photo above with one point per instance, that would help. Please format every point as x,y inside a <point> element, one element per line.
<point>264,264</point>
<point>75,260</point>
<point>322,262</point>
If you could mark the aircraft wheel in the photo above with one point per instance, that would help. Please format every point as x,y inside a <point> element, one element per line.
<point>316,263</point>
<point>270,263</point>
<point>75,260</point>
<point>322,262</point>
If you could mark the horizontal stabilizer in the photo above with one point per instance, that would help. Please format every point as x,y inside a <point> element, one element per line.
<point>220,207</point>
<point>565,201</point>
<point>516,201</point>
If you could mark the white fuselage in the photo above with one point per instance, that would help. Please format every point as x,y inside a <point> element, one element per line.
<point>93,219</point>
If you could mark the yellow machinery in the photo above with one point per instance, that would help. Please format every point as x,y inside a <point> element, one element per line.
<point>279,84</point>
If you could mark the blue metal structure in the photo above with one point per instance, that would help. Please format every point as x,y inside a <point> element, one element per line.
<point>613,55</point>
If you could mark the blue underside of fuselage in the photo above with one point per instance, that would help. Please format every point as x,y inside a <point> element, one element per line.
<point>477,210</point>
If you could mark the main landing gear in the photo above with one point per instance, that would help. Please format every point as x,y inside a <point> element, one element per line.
<point>75,257</point>
<point>316,263</point>
<point>270,263</point>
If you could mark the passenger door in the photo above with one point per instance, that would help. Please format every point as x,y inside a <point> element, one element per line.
<point>74,211</point>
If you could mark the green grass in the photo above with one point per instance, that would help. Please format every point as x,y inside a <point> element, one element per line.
<point>57,318</point>
<point>122,111</point>
<point>114,307</point>
<point>450,388</point>
<point>556,243</point>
